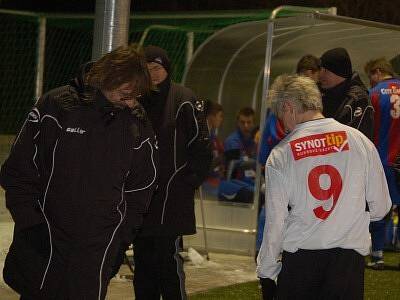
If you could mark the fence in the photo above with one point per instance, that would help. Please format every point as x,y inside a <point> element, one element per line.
<point>41,51</point>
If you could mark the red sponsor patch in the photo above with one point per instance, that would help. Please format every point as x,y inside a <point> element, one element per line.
<point>319,144</point>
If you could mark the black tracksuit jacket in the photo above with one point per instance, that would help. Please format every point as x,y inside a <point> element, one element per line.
<point>180,124</point>
<point>349,104</point>
<point>78,180</point>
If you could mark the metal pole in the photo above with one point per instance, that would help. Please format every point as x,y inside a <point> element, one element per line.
<point>332,10</point>
<point>111,26</point>
<point>40,57</point>
<point>189,47</point>
<point>204,222</point>
<point>267,73</point>
<point>302,9</point>
<point>151,27</point>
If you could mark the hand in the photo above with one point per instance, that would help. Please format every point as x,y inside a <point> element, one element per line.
<point>268,288</point>
<point>192,180</point>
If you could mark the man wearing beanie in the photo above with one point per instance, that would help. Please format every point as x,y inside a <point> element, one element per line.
<point>179,122</point>
<point>344,96</point>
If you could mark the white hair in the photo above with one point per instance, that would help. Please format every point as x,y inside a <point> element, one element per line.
<point>300,90</point>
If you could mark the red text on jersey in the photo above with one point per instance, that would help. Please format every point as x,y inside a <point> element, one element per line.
<point>319,144</point>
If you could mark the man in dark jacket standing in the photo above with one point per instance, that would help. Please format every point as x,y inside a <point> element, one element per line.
<point>344,96</point>
<point>78,180</point>
<point>179,122</point>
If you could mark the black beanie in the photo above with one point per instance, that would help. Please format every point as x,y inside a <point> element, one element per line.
<point>337,61</point>
<point>157,55</point>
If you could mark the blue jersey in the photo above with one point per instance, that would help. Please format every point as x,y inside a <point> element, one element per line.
<point>385,98</point>
<point>236,141</point>
<point>273,133</point>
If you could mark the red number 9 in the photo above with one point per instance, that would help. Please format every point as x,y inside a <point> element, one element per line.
<point>320,194</point>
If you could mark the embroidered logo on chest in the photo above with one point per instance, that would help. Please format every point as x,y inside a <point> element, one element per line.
<point>77,130</point>
<point>34,115</point>
<point>358,112</point>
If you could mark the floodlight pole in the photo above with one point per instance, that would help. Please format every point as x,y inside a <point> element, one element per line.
<point>111,26</point>
<point>189,47</point>
<point>40,57</point>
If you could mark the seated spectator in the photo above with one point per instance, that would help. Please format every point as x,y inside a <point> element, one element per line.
<point>240,145</point>
<point>215,117</point>
<point>240,153</point>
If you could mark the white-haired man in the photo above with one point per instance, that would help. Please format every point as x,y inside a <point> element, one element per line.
<point>324,184</point>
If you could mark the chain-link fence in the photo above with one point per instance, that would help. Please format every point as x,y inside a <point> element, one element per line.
<point>67,42</point>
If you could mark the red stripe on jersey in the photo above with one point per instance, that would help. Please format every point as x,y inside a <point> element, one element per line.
<point>394,129</point>
<point>377,116</point>
<point>394,141</point>
<point>280,132</point>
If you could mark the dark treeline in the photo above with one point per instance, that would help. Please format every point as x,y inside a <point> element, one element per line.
<point>382,11</point>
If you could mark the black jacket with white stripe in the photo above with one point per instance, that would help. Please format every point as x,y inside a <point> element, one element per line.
<point>85,170</point>
<point>179,121</point>
<point>349,104</point>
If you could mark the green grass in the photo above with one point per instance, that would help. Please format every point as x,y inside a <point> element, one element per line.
<point>379,285</point>
<point>248,290</point>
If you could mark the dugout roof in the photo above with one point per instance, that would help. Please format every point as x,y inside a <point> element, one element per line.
<point>230,66</point>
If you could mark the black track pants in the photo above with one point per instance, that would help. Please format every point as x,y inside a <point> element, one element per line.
<point>158,269</point>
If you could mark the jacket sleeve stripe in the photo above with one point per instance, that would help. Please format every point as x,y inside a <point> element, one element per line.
<point>53,118</point>
<point>154,167</point>
<point>42,207</point>
<point>194,118</point>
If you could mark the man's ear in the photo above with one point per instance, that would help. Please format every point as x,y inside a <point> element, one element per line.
<point>285,106</point>
<point>380,74</point>
<point>288,106</point>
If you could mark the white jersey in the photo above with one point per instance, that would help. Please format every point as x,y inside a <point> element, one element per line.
<point>325,172</point>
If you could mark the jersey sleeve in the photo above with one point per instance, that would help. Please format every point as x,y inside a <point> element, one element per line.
<point>232,142</point>
<point>273,133</point>
<point>276,203</point>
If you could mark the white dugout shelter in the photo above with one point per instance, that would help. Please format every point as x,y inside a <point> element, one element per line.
<point>235,67</point>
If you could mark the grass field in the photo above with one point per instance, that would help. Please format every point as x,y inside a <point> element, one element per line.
<point>379,285</point>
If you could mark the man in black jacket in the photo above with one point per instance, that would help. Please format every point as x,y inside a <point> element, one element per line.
<point>78,180</point>
<point>179,121</point>
<point>344,96</point>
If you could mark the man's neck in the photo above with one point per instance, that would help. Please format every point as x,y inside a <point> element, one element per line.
<point>384,77</point>
<point>309,116</point>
